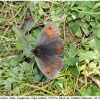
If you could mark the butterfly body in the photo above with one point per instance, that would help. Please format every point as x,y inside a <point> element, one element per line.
<point>40,52</point>
<point>48,46</point>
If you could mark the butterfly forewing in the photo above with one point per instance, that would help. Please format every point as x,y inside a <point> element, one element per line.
<point>54,48</point>
<point>49,34</point>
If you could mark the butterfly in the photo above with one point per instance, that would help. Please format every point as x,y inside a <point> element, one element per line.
<point>49,45</point>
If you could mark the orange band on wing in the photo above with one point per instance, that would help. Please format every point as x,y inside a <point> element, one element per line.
<point>48,31</point>
<point>56,63</point>
<point>47,69</point>
<point>59,47</point>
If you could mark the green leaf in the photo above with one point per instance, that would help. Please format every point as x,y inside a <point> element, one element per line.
<point>31,38</point>
<point>95,43</point>
<point>88,17</point>
<point>87,55</point>
<point>89,4</point>
<point>74,70</point>
<point>26,66</point>
<point>85,25</point>
<point>45,5</point>
<point>59,84</point>
<point>97,5</point>
<point>2,20</point>
<point>37,74</point>
<point>20,57</point>
<point>27,25</point>
<point>72,3</point>
<point>74,25</point>
<point>27,53</point>
<point>73,50</point>
<point>20,45</point>
<point>22,42</point>
<point>81,14</point>
<point>83,92</point>
<point>70,59</point>
<point>80,3</point>
<point>94,24</point>
<point>85,30</point>
<point>32,6</point>
<point>41,12</point>
<point>82,7</point>
<point>15,71</point>
<point>8,83</point>
<point>67,60</point>
<point>87,92</point>
<point>96,32</point>
<point>19,40</point>
<point>98,92</point>
<point>27,69</point>
<point>78,33</point>
<point>13,62</point>
<point>4,63</point>
<point>8,86</point>
<point>75,15</point>
<point>85,44</point>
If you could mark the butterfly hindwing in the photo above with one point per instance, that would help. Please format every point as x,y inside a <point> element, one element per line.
<point>49,66</point>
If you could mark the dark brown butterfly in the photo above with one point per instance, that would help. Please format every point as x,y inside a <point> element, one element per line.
<point>48,46</point>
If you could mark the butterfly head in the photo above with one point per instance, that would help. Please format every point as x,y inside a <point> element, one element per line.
<point>36,51</point>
